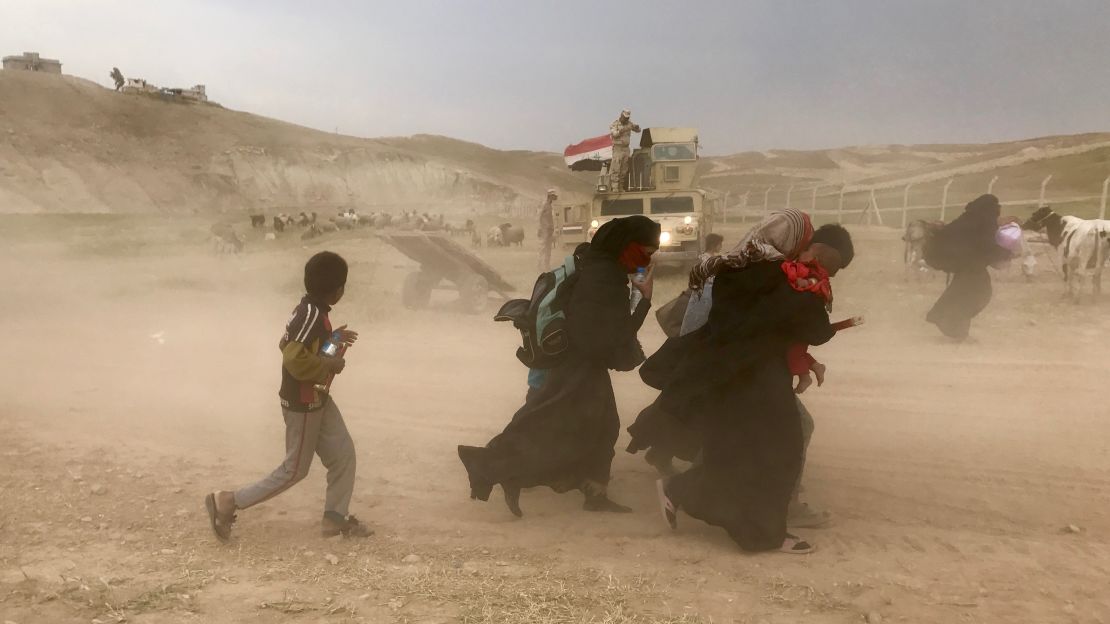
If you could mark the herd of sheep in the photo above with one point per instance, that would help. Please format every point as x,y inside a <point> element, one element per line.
<point>226,240</point>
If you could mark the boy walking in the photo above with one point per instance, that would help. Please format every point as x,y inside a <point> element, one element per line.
<point>313,423</point>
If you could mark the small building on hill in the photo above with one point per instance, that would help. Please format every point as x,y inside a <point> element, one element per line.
<point>31,61</point>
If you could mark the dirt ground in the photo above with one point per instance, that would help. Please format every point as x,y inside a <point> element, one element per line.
<point>968,483</point>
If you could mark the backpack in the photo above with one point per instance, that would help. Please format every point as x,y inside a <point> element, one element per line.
<point>542,318</point>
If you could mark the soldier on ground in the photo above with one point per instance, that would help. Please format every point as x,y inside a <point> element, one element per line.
<point>546,231</point>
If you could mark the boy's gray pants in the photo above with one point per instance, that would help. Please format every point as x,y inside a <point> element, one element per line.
<point>324,433</point>
<point>807,435</point>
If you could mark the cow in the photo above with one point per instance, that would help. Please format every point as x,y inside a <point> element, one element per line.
<point>279,223</point>
<point>258,220</point>
<point>1083,246</point>
<point>917,234</point>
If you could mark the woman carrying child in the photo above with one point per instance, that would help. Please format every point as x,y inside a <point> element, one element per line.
<point>734,374</point>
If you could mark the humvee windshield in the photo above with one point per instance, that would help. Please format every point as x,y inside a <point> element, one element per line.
<point>621,207</point>
<point>673,151</point>
<point>667,205</point>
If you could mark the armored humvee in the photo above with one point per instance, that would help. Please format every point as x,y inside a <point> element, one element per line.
<point>661,184</point>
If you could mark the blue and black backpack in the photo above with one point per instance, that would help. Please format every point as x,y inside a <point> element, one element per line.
<point>542,318</point>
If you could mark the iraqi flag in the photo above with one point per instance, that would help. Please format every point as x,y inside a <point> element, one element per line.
<point>589,155</point>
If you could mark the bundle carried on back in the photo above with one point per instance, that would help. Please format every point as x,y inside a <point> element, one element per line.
<point>542,318</point>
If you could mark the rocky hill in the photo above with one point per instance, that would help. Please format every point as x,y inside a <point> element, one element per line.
<point>69,145</point>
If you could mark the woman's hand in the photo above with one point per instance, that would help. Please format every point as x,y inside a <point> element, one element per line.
<point>647,286</point>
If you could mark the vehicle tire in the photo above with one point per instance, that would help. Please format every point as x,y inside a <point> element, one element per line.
<point>416,292</point>
<point>473,293</point>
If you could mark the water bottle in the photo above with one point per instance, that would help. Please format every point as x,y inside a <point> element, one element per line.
<point>638,278</point>
<point>332,346</point>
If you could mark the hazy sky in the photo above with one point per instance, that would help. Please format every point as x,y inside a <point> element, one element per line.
<point>539,75</point>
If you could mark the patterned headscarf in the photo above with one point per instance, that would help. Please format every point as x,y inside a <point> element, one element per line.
<point>781,236</point>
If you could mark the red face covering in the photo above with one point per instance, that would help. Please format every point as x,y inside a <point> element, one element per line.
<point>633,257</point>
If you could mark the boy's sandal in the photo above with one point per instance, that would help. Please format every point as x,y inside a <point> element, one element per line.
<point>349,527</point>
<point>220,522</point>
<point>794,545</point>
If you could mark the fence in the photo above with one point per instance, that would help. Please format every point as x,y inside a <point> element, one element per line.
<point>897,205</point>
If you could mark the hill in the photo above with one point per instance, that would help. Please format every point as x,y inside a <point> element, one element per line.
<point>70,145</point>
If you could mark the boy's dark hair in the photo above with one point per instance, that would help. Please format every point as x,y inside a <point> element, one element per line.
<point>324,274</point>
<point>714,241</point>
<point>838,238</point>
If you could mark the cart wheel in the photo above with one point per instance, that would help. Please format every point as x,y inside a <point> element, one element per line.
<point>473,293</point>
<point>416,292</point>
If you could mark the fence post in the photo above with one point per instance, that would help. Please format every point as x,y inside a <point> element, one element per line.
<point>875,209</point>
<point>840,206</point>
<point>905,205</point>
<point>1044,183</point>
<point>1098,239</point>
<point>813,200</point>
<point>766,195</point>
<point>789,192</point>
<point>1102,207</point>
<point>944,198</point>
<point>990,187</point>
<point>744,206</point>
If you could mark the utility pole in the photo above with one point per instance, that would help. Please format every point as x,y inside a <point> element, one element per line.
<point>990,187</point>
<point>766,196</point>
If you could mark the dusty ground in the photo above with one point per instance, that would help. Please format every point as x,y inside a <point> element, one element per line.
<point>140,373</point>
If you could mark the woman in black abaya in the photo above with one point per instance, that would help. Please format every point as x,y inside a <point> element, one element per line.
<point>564,434</point>
<point>968,247</point>
<point>733,374</point>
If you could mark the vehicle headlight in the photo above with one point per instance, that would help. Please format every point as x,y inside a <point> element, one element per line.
<point>688,220</point>
<point>594,223</point>
<point>664,238</point>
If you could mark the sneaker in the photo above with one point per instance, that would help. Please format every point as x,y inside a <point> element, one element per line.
<point>334,524</point>
<point>802,516</point>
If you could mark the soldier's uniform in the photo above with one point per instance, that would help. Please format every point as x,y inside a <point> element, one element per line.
<point>621,130</point>
<point>546,231</point>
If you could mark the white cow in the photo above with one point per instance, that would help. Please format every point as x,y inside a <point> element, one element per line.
<point>1083,246</point>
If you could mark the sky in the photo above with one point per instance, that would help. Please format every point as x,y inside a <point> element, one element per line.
<point>538,75</point>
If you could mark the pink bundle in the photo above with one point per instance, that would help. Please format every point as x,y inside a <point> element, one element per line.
<point>1008,237</point>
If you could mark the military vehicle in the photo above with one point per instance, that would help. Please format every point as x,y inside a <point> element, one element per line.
<point>661,184</point>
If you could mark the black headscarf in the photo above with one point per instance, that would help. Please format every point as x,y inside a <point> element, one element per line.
<point>611,238</point>
<point>984,207</point>
<point>969,240</point>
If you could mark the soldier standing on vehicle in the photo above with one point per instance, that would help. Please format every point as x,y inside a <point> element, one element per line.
<point>546,231</point>
<point>621,130</point>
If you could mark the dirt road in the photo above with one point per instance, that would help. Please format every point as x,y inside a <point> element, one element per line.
<point>138,377</point>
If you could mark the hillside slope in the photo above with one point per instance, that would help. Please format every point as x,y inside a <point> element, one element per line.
<point>69,145</point>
